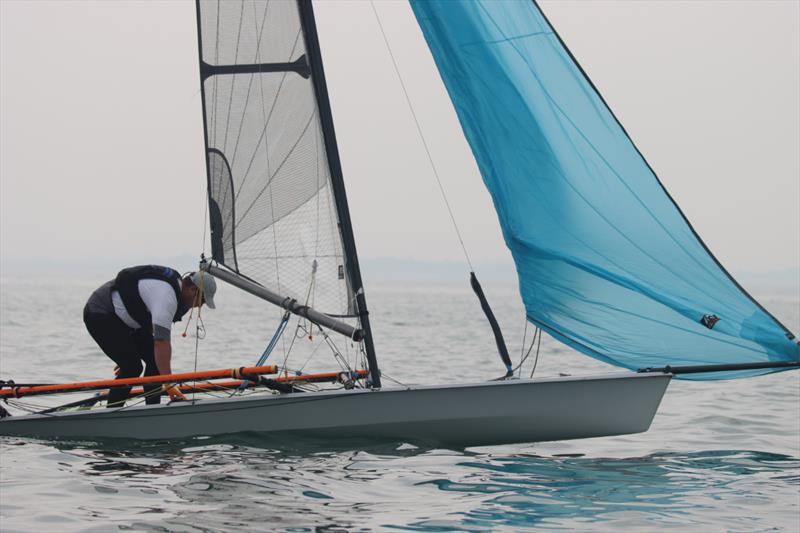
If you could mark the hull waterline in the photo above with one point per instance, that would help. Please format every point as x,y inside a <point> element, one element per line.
<point>491,413</point>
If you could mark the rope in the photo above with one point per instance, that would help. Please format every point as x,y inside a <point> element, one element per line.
<point>311,292</point>
<point>337,354</point>
<point>422,137</point>
<point>274,340</point>
<point>536,339</point>
<point>522,353</point>
<point>271,345</point>
<point>390,378</point>
<point>311,356</point>
<point>301,323</point>
<point>205,225</point>
<point>536,360</point>
<point>200,328</point>
<point>198,299</point>
<point>200,332</point>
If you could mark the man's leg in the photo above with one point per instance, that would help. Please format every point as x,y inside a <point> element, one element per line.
<point>116,341</point>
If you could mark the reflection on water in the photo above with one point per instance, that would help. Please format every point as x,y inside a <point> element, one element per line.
<point>215,486</point>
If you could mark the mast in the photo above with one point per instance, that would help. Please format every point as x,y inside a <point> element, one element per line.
<point>314,57</point>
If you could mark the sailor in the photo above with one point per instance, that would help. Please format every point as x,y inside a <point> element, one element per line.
<point>131,316</point>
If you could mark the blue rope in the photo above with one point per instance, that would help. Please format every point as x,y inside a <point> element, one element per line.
<point>271,346</point>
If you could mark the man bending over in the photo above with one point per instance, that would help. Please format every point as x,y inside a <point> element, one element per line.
<point>131,316</point>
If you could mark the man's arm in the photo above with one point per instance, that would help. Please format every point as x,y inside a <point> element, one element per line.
<point>163,355</point>
<point>160,300</point>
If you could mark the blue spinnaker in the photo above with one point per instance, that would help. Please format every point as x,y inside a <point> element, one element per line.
<point>607,263</point>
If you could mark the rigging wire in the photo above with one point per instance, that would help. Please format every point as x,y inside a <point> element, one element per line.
<point>390,378</point>
<point>200,327</point>
<point>501,346</point>
<point>337,353</point>
<point>422,137</point>
<point>311,356</point>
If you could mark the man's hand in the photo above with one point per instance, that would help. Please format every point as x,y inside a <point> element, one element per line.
<point>174,392</point>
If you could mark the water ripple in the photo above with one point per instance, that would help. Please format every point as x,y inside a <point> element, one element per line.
<point>719,457</point>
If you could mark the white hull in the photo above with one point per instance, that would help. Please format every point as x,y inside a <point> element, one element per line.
<point>499,412</point>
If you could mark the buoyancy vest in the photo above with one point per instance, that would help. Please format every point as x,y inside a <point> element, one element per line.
<point>127,284</point>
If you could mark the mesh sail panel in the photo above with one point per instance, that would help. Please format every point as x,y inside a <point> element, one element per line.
<point>249,31</point>
<point>272,210</point>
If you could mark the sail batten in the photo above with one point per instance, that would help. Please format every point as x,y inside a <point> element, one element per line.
<point>300,66</point>
<point>607,262</point>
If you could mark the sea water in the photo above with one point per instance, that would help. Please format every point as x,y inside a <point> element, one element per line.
<point>720,456</point>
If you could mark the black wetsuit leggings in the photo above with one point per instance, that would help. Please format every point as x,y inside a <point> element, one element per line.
<point>127,347</point>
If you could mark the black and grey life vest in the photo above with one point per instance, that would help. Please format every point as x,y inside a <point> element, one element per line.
<point>127,284</point>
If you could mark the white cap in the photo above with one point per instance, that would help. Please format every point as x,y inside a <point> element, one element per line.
<point>208,287</point>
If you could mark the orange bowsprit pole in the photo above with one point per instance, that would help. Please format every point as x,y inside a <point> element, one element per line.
<point>236,373</point>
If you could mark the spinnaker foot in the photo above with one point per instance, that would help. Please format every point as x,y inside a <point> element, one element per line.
<point>698,369</point>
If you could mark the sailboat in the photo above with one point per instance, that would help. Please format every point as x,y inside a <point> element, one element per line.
<point>606,261</point>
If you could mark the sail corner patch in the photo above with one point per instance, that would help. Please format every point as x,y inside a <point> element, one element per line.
<point>709,321</point>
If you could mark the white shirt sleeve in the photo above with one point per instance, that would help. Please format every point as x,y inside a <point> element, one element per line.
<point>159,297</point>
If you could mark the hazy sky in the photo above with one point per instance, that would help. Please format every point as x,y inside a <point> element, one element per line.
<point>101,142</point>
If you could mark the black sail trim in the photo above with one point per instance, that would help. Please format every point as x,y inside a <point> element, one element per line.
<point>300,66</point>
<point>203,101</point>
<point>733,367</point>
<point>337,180</point>
<point>215,217</point>
<point>789,334</point>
